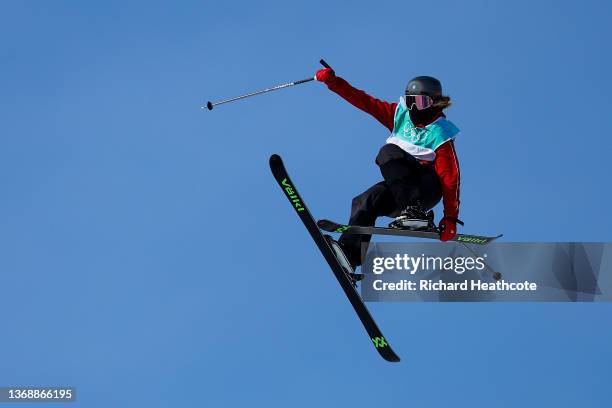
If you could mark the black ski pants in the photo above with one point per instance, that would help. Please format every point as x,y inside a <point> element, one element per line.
<point>406,182</point>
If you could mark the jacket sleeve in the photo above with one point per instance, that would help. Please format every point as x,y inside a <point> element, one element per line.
<point>383,111</point>
<point>447,167</point>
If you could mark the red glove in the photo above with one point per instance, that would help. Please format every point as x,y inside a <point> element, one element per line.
<point>326,75</point>
<point>448,228</point>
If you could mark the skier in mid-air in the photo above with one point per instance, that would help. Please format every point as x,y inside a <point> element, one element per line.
<point>418,163</point>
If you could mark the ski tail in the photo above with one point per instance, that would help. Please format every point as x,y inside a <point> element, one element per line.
<point>299,206</point>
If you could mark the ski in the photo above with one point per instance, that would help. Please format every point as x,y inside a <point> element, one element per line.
<point>331,226</point>
<point>380,342</point>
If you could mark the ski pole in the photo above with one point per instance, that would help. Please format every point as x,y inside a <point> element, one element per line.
<point>210,104</point>
<point>496,275</point>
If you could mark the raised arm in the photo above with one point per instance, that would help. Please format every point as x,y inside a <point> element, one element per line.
<point>381,110</point>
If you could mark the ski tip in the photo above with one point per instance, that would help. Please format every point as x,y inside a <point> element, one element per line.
<point>495,238</point>
<point>275,158</point>
<point>389,355</point>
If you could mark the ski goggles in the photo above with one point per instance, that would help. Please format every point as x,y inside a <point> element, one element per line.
<point>420,101</point>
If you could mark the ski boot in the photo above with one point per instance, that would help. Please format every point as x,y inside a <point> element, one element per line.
<point>414,218</point>
<point>349,269</point>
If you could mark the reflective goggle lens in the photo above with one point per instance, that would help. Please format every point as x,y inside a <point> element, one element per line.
<point>420,101</point>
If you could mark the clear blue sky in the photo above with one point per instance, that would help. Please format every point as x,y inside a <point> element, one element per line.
<point>149,259</point>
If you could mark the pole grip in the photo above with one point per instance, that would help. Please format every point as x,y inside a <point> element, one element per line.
<point>325,64</point>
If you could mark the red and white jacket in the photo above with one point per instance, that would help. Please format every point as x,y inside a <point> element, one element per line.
<point>446,164</point>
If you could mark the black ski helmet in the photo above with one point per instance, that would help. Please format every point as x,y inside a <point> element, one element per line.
<point>424,85</point>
